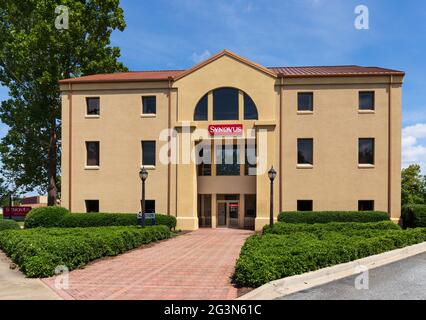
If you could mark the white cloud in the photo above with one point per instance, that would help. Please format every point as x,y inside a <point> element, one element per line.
<point>197,58</point>
<point>414,145</point>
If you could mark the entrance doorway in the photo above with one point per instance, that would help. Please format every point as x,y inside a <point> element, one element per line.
<point>228,213</point>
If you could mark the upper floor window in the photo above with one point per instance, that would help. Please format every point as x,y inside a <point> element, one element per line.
<point>366,100</point>
<point>250,110</point>
<point>201,109</point>
<point>227,160</point>
<point>366,151</point>
<point>93,106</point>
<point>225,104</point>
<point>148,153</point>
<point>92,153</point>
<point>204,160</point>
<point>250,160</point>
<point>305,101</point>
<point>305,151</point>
<point>149,105</point>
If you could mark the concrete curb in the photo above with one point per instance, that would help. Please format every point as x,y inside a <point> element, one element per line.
<point>286,286</point>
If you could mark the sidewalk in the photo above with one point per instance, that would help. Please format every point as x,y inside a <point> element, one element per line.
<point>14,285</point>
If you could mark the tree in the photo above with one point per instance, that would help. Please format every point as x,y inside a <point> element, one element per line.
<point>42,42</point>
<point>413,186</point>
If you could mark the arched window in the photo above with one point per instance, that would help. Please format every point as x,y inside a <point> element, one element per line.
<point>201,110</point>
<point>225,104</point>
<point>250,110</point>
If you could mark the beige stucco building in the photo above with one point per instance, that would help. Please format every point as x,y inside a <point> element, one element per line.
<point>333,134</point>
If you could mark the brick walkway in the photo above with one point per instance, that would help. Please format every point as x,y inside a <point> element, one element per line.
<point>197,265</point>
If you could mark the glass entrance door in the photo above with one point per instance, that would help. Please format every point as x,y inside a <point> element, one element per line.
<point>227,213</point>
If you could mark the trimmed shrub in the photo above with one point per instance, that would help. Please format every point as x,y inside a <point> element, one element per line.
<point>342,227</point>
<point>414,216</point>
<point>8,224</point>
<point>39,251</point>
<point>45,217</point>
<point>269,257</point>
<point>87,220</point>
<point>332,216</point>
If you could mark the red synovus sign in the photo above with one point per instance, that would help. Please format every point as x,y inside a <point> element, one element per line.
<point>17,212</point>
<point>226,129</point>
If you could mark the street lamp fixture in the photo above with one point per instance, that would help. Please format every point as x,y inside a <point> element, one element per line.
<point>271,174</point>
<point>143,174</point>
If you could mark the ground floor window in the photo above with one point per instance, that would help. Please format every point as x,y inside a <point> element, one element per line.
<point>366,205</point>
<point>149,206</point>
<point>250,211</point>
<point>305,205</point>
<point>92,206</point>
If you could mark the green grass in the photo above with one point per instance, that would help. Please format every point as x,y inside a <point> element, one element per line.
<point>292,249</point>
<point>39,251</point>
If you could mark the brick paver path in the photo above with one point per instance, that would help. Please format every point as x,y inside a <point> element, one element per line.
<point>197,265</point>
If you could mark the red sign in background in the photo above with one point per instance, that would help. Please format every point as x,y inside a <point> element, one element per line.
<point>17,212</point>
<point>226,129</point>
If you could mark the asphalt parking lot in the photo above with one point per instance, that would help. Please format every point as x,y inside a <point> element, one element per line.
<point>402,280</point>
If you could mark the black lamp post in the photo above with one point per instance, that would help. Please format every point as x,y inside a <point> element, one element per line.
<point>143,174</point>
<point>272,174</point>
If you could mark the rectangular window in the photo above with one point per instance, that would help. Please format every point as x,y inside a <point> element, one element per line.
<point>305,101</point>
<point>366,151</point>
<point>92,206</point>
<point>204,167</point>
<point>92,153</point>
<point>227,160</point>
<point>149,105</point>
<point>366,100</point>
<point>148,153</point>
<point>93,106</point>
<point>149,206</point>
<point>305,151</point>
<point>250,161</point>
<point>366,205</point>
<point>305,205</point>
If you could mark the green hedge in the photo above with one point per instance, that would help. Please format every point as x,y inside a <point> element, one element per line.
<point>414,216</point>
<point>47,217</point>
<point>39,251</point>
<point>269,257</point>
<point>8,224</point>
<point>342,227</point>
<point>61,218</point>
<point>333,216</point>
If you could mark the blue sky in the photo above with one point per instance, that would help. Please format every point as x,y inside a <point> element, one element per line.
<point>175,34</point>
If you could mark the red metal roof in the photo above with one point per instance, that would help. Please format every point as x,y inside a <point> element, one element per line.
<point>318,71</point>
<point>286,72</point>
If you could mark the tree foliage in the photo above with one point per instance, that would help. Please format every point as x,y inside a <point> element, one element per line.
<point>413,186</point>
<point>34,56</point>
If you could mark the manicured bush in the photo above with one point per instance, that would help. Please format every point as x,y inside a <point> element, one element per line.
<point>333,216</point>
<point>269,257</point>
<point>342,227</point>
<point>39,251</point>
<point>8,224</point>
<point>414,216</point>
<point>45,217</point>
<point>86,220</point>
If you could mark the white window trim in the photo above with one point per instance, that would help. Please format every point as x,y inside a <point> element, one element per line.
<point>366,166</point>
<point>148,167</point>
<point>305,166</point>
<point>304,112</point>
<point>92,116</point>
<point>148,115</point>
<point>368,111</point>
<point>91,167</point>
